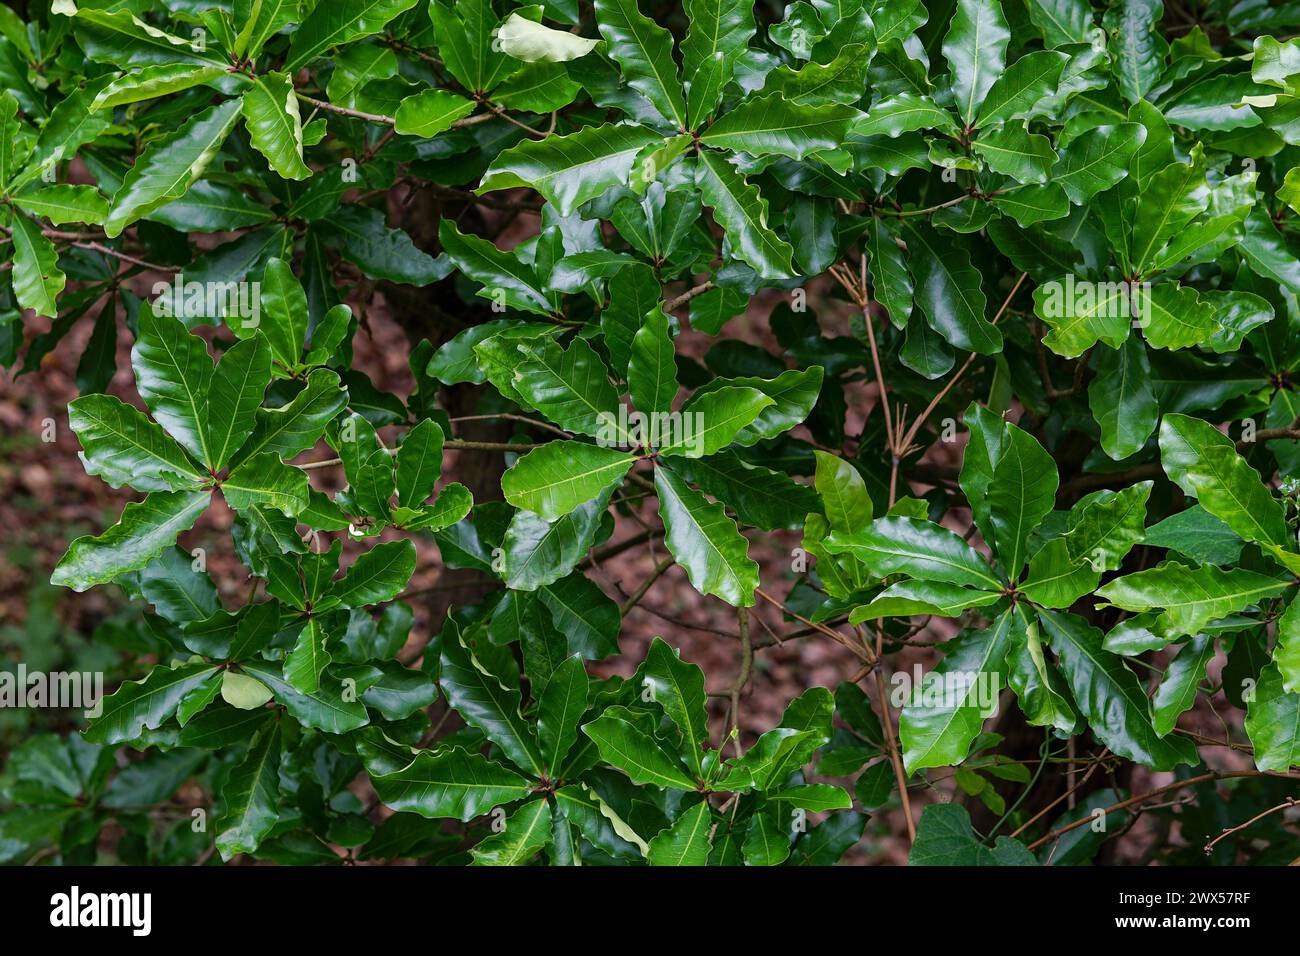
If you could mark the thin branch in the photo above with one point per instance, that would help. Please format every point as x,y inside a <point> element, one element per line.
<point>1159,792</point>
<point>900,776</point>
<point>686,296</point>
<point>659,570</point>
<point>934,403</point>
<point>514,418</point>
<point>742,677</point>
<point>858,650</point>
<point>381,118</point>
<point>1288,802</point>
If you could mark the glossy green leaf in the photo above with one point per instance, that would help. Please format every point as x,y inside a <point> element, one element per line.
<point>705,542</point>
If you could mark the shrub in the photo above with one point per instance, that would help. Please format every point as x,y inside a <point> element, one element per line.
<point>975,323</point>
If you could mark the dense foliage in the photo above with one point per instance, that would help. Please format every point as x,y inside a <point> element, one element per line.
<point>1038,211</point>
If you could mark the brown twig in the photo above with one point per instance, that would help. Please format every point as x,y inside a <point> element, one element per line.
<point>1158,792</point>
<point>1288,802</point>
<point>659,570</point>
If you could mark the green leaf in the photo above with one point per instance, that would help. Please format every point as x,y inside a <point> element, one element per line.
<point>759,496</point>
<point>1122,399</point>
<point>1103,527</point>
<point>983,451</point>
<point>1021,495</point>
<point>464,33</point>
<point>376,576</point>
<point>713,420</point>
<point>122,446</point>
<point>945,837</point>
<point>907,598</point>
<point>164,171</point>
<point>1190,597</point>
<point>332,708</point>
<point>903,113</point>
<point>1039,688</point>
<point>122,38</point>
<point>562,704</point>
<point>644,51</point>
<point>1081,314</point>
<point>234,395</point>
<point>678,687</point>
<point>1273,722</point>
<point>37,279</point>
<point>555,478</point>
<point>1199,535</point>
<point>652,366</point>
<point>844,494</point>
<point>1033,204</point>
<point>539,553</point>
<point>307,661</point>
<point>526,831</point>
<point>334,24</point>
<point>284,314</point>
<point>249,800</point>
<point>887,268</point>
<point>142,705</point>
<point>263,480</point>
<point>1203,462</point>
<point>917,548</point>
<point>1286,653</point>
<point>1169,201</point>
<point>1097,161</point>
<point>771,125</point>
<point>449,783</point>
<point>155,81</point>
<point>293,428</point>
<point>259,20</point>
<point>1110,697</point>
<point>173,375</point>
<point>1027,81</point>
<point>1137,51</point>
<point>1056,579</point>
<point>704,541</point>
<point>626,740</point>
<point>71,125</point>
<point>944,715</point>
<point>1061,21</point>
<point>687,842</point>
<point>1011,150</point>
<point>571,387</point>
<point>742,211</point>
<point>244,692</point>
<point>62,204</point>
<point>1177,318</point>
<point>430,112</point>
<point>491,704</point>
<point>1177,692</point>
<point>794,393</point>
<point>270,110</point>
<point>144,531</point>
<point>719,33</point>
<point>584,614</point>
<point>419,463</point>
<point>570,170</point>
<point>382,252</point>
<point>948,291</point>
<point>976,50</point>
